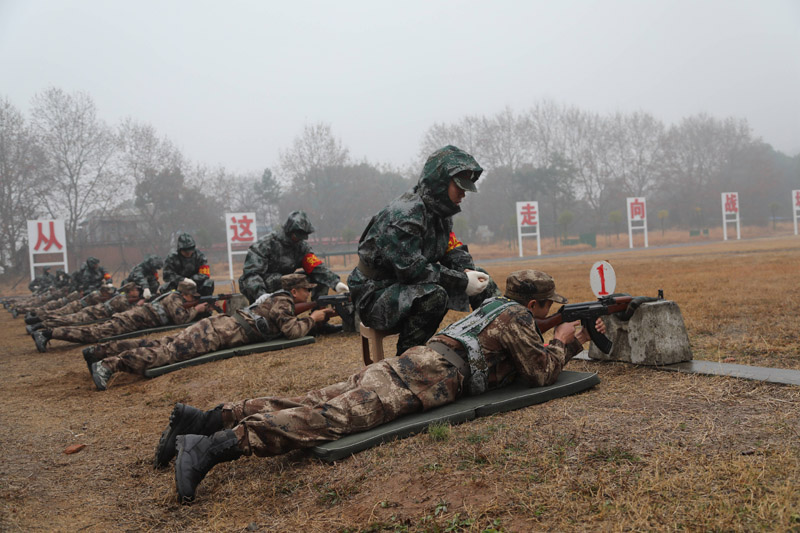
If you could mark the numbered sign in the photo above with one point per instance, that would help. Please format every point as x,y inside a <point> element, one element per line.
<point>602,279</point>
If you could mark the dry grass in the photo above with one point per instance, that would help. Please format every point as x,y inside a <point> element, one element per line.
<point>644,450</point>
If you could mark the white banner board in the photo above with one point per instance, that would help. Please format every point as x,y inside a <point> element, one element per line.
<point>47,237</point>
<point>730,213</point>
<point>637,218</point>
<point>241,230</point>
<point>528,224</point>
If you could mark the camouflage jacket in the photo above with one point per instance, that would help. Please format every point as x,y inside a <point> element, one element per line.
<point>88,279</point>
<point>410,243</point>
<point>511,346</point>
<point>276,255</point>
<point>173,309</point>
<point>278,310</point>
<point>177,267</point>
<point>39,284</point>
<point>145,275</point>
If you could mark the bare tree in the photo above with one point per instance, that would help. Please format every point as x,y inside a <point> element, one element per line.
<point>141,151</point>
<point>21,166</point>
<point>466,135</point>
<point>79,148</point>
<point>314,149</point>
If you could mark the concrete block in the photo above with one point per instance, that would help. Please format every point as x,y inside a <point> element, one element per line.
<point>655,335</point>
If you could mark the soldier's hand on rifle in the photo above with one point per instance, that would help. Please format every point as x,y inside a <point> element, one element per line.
<point>341,287</point>
<point>565,332</point>
<point>202,308</point>
<point>146,294</point>
<point>322,315</point>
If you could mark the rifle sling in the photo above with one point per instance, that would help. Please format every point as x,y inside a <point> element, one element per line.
<point>250,331</point>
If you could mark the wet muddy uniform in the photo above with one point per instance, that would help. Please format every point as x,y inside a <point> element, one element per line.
<point>273,318</point>
<point>498,342</point>
<point>165,311</point>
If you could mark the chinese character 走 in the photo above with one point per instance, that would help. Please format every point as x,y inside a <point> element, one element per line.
<point>529,215</point>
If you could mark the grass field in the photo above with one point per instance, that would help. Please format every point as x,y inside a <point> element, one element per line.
<point>643,451</point>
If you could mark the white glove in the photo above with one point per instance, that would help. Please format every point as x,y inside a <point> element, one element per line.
<point>146,294</point>
<point>341,287</point>
<point>261,299</point>
<point>476,282</point>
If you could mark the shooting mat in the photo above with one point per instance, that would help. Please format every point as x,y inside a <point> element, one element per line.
<point>140,332</point>
<point>247,349</point>
<point>515,396</point>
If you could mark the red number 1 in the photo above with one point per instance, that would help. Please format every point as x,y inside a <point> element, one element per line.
<point>602,272</point>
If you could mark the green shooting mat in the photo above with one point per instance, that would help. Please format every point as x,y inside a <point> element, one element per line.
<point>247,349</point>
<point>514,396</point>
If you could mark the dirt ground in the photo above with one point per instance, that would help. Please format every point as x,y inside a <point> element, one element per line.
<point>643,450</point>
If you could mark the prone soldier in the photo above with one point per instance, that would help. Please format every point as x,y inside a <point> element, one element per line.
<point>129,295</point>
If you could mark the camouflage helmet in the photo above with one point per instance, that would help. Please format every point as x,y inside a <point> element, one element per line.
<point>298,222</point>
<point>185,242</point>
<point>92,262</point>
<point>154,262</point>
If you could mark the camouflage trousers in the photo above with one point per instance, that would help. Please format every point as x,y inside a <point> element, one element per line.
<point>208,335</point>
<point>376,395</point>
<point>50,304</point>
<point>72,307</point>
<point>134,320</point>
<point>85,316</point>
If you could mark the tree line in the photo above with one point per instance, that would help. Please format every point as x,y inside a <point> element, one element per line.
<point>61,160</point>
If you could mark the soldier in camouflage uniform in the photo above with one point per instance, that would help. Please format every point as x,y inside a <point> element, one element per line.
<point>485,350</point>
<point>169,309</point>
<point>187,262</point>
<point>39,284</point>
<point>273,318</point>
<point>91,276</point>
<point>282,252</point>
<point>62,287</point>
<point>145,275</point>
<point>411,267</point>
<point>129,295</point>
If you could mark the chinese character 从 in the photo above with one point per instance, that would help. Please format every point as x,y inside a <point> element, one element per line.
<point>730,203</point>
<point>529,215</point>
<point>243,225</point>
<point>637,209</point>
<point>47,241</point>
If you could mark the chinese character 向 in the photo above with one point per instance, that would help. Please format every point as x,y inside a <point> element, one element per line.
<point>637,209</point>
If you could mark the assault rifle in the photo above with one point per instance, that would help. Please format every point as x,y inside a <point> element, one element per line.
<point>211,301</point>
<point>589,312</point>
<point>341,303</point>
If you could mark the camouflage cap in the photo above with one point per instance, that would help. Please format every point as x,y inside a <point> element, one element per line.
<point>526,285</point>
<point>187,286</point>
<point>296,281</point>
<point>465,180</point>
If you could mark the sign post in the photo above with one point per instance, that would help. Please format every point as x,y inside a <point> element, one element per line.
<point>795,208</point>
<point>528,220</point>
<point>637,218</point>
<point>47,237</point>
<point>241,228</point>
<point>730,213</point>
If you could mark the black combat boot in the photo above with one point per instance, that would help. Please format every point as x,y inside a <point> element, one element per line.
<point>31,318</point>
<point>34,327</point>
<point>14,312</point>
<point>41,338</point>
<point>197,454</point>
<point>100,375</point>
<point>185,420</point>
<point>90,357</point>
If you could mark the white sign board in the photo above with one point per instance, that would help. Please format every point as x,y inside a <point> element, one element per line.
<point>47,237</point>
<point>795,208</point>
<point>603,279</point>
<point>637,218</point>
<point>241,229</point>
<point>730,213</point>
<point>528,224</point>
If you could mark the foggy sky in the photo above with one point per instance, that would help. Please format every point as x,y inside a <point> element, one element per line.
<point>232,83</point>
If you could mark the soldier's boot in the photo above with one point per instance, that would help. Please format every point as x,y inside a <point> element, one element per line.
<point>197,454</point>
<point>324,328</point>
<point>185,420</point>
<point>31,318</point>
<point>41,338</point>
<point>100,375</point>
<point>90,357</point>
<point>34,327</point>
<point>14,312</point>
